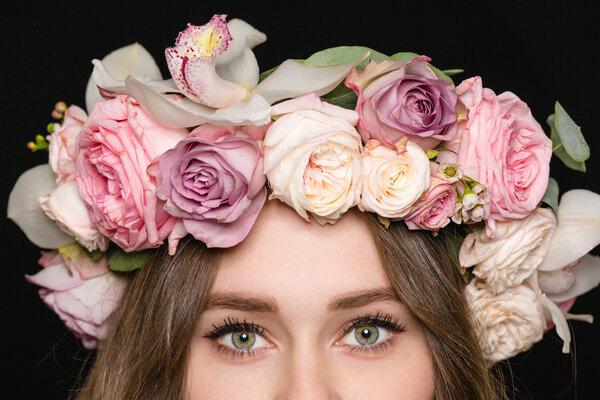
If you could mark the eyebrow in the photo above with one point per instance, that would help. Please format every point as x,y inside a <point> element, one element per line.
<point>239,301</point>
<point>361,298</point>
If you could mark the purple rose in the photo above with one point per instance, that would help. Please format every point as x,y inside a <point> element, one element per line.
<point>214,182</point>
<point>396,99</point>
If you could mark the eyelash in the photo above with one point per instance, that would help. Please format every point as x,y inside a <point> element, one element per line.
<point>385,321</point>
<point>231,325</point>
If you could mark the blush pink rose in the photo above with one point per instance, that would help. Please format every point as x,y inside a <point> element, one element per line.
<point>62,143</point>
<point>396,99</point>
<point>502,146</point>
<point>435,207</point>
<point>214,182</point>
<point>116,145</point>
<point>83,296</point>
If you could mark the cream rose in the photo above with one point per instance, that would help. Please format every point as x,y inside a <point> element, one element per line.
<point>312,158</point>
<point>516,250</point>
<point>508,323</point>
<point>393,179</point>
<point>65,207</point>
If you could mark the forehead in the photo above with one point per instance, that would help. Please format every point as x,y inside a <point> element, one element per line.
<point>292,260</point>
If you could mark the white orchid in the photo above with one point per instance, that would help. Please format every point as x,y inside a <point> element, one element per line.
<point>24,208</point>
<point>214,80</point>
<point>577,232</point>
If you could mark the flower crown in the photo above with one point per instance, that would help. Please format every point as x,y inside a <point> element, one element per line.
<point>156,160</point>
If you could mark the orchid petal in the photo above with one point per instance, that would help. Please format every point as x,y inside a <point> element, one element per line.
<point>587,277</point>
<point>179,112</point>
<point>192,64</point>
<point>578,229</point>
<point>552,313</point>
<point>206,87</point>
<point>24,208</point>
<point>133,59</point>
<point>238,63</point>
<point>293,79</point>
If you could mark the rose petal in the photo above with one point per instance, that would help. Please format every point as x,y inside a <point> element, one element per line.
<point>216,234</point>
<point>24,208</point>
<point>56,277</point>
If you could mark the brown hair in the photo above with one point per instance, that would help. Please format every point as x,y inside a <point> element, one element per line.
<point>145,355</point>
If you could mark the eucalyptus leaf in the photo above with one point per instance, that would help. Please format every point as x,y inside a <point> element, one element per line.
<point>453,71</point>
<point>453,241</point>
<point>559,149</point>
<point>344,55</point>
<point>119,260</point>
<point>570,135</point>
<point>342,96</point>
<point>551,195</point>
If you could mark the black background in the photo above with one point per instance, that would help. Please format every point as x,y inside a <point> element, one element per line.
<point>542,51</point>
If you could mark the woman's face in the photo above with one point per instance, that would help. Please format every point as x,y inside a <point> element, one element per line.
<point>302,311</point>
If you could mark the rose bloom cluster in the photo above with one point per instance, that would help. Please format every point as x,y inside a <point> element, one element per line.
<point>141,170</point>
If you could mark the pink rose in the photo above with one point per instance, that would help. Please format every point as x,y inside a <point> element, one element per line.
<point>62,144</point>
<point>503,147</point>
<point>435,207</point>
<point>116,145</point>
<point>214,181</point>
<point>397,99</point>
<point>83,298</point>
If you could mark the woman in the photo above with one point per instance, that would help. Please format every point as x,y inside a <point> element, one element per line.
<point>297,311</point>
<point>420,312</point>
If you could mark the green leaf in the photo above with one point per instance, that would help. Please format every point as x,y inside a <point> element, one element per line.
<point>551,195</point>
<point>344,55</point>
<point>96,254</point>
<point>341,96</point>
<point>404,56</point>
<point>409,56</point>
<point>453,71</point>
<point>570,135</point>
<point>559,150</point>
<point>119,260</point>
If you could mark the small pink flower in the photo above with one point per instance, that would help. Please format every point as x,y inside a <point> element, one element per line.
<point>118,142</point>
<point>435,207</point>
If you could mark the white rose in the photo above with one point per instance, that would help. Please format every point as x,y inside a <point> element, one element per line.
<point>65,207</point>
<point>517,249</point>
<point>508,323</point>
<point>393,180</point>
<point>312,157</point>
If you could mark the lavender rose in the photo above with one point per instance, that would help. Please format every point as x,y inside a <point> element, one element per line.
<point>396,99</point>
<point>214,182</point>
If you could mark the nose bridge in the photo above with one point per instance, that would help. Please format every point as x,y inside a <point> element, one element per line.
<point>306,374</point>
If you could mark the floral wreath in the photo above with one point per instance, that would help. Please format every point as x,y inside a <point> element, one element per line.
<point>156,160</point>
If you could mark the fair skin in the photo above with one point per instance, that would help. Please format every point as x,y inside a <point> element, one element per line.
<point>304,311</point>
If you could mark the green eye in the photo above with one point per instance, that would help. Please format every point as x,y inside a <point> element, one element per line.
<point>243,340</point>
<point>366,335</point>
